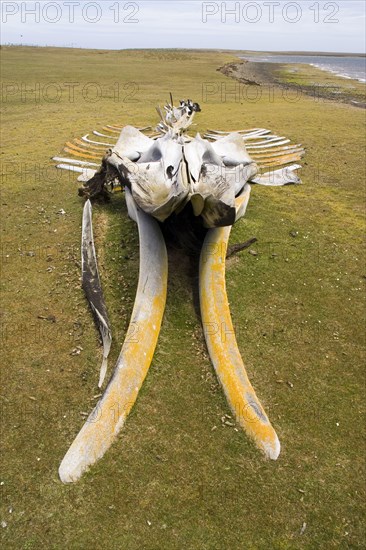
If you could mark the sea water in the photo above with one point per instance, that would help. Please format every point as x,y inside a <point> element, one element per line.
<point>347,67</point>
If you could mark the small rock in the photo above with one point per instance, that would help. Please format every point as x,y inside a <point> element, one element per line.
<point>61,212</point>
<point>4,524</point>
<point>50,318</point>
<point>294,233</point>
<point>290,384</point>
<point>302,530</point>
<point>253,252</point>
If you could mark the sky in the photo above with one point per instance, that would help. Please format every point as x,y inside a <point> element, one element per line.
<point>249,25</point>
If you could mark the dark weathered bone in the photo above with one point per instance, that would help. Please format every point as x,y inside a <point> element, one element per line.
<point>92,286</point>
<point>235,248</point>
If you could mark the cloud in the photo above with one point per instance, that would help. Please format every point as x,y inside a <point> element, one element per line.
<point>337,26</point>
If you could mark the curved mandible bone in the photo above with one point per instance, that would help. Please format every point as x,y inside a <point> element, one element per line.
<point>221,341</point>
<point>109,415</point>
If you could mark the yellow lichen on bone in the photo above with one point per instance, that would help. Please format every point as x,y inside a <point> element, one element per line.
<point>222,344</point>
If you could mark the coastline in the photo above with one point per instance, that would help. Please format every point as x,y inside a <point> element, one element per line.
<point>302,78</point>
<point>303,53</point>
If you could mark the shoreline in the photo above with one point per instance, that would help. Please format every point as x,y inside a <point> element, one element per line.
<point>337,74</point>
<point>325,85</point>
<point>304,54</point>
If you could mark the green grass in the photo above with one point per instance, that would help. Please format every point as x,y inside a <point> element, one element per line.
<point>320,83</point>
<point>299,319</point>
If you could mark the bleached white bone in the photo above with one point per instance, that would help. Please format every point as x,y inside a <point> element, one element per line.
<point>283,176</point>
<point>102,135</point>
<point>87,140</point>
<point>74,161</point>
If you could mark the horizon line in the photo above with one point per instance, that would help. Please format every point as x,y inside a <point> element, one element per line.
<point>71,47</point>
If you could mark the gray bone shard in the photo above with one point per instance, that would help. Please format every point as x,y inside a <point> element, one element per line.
<point>93,288</point>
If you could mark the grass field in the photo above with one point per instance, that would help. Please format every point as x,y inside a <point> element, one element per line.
<point>178,476</point>
<point>312,79</point>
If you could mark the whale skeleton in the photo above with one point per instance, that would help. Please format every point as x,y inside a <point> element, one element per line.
<point>162,171</point>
